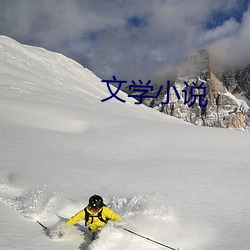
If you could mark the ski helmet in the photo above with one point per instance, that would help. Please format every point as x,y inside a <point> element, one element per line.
<point>95,202</point>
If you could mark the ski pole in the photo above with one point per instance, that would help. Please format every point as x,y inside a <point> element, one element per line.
<point>146,238</point>
<point>45,228</point>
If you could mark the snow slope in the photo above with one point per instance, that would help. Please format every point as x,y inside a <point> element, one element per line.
<point>176,183</point>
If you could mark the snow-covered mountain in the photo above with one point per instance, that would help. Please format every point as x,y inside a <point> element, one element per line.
<point>224,108</point>
<point>182,185</point>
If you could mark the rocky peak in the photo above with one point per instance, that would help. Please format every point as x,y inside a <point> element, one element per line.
<point>197,64</point>
<point>223,108</point>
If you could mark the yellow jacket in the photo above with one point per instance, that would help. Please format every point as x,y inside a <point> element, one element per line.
<point>94,223</point>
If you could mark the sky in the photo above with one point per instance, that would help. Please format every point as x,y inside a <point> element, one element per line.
<point>132,39</point>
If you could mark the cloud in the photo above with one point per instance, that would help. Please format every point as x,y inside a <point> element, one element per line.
<point>133,39</point>
<point>233,49</point>
<point>228,28</point>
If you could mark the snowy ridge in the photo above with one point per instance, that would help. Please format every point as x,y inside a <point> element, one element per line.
<point>182,185</point>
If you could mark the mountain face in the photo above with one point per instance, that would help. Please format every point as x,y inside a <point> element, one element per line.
<point>237,81</point>
<point>197,82</point>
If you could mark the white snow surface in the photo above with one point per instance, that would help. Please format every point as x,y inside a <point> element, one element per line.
<point>182,185</point>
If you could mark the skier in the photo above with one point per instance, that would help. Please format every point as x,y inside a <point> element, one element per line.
<point>95,214</point>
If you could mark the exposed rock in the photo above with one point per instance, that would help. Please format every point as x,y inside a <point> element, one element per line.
<point>222,109</point>
<point>237,81</point>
